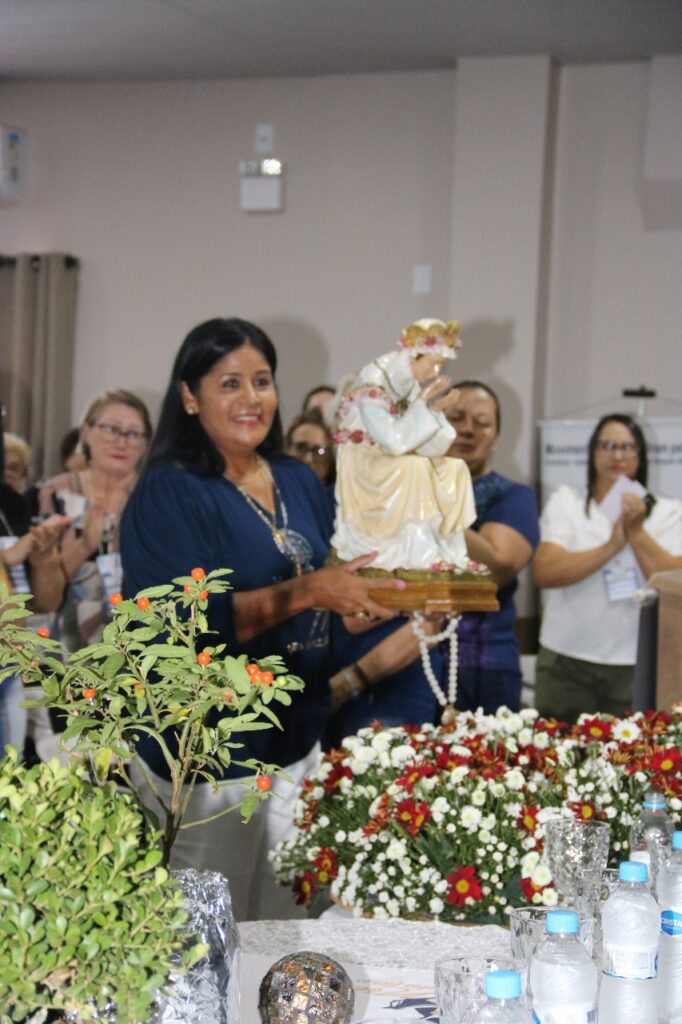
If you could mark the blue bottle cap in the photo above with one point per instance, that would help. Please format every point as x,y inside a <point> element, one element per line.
<point>633,871</point>
<point>562,922</point>
<point>676,841</point>
<point>654,801</point>
<point>503,984</point>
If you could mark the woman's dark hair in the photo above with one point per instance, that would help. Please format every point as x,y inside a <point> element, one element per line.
<point>472,385</point>
<point>179,437</point>
<point>636,431</point>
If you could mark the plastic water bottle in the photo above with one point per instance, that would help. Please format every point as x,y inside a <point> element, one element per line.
<point>670,941</point>
<point>650,834</point>
<point>631,923</point>
<point>563,977</point>
<point>503,1004</point>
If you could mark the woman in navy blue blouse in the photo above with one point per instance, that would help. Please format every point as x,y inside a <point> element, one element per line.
<point>217,494</point>
<point>503,537</point>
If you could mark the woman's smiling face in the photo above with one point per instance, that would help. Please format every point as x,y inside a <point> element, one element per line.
<point>236,401</point>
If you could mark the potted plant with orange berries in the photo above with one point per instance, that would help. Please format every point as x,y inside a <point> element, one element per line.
<point>157,674</point>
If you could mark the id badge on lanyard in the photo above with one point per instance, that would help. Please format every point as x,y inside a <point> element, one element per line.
<point>621,579</point>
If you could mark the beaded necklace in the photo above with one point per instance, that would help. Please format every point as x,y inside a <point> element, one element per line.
<point>446,701</point>
<point>288,542</point>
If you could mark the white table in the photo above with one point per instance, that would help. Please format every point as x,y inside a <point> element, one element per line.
<point>388,961</point>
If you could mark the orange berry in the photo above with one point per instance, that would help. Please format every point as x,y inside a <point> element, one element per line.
<point>187,587</point>
<point>263,783</point>
<point>203,595</point>
<point>227,695</point>
<point>88,693</point>
<point>143,603</point>
<point>253,669</point>
<point>266,678</point>
<point>137,685</point>
<point>115,599</point>
<point>204,659</point>
<point>43,632</point>
<point>197,574</point>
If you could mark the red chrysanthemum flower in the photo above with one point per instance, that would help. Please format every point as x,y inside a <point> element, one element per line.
<point>304,886</point>
<point>412,815</point>
<point>584,810</point>
<point>668,761</point>
<point>595,729</point>
<point>549,725</point>
<point>327,865</point>
<point>338,772</point>
<point>413,773</point>
<point>463,884</point>
<point>529,888</point>
<point>528,818</point>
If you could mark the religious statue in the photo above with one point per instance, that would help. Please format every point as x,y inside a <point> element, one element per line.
<point>397,491</point>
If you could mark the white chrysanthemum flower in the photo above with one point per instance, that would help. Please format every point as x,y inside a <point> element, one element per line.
<point>458,774</point>
<point>381,741</point>
<point>340,836</point>
<point>323,821</point>
<point>541,876</point>
<point>514,779</point>
<point>478,797</point>
<point>489,821</point>
<point>549,897</point>
<point>626,730</point>
<point>470,818</point>
<point>436,905</point>
<point>529,863</point>
<point>484,836</point>
<point>401,755</point>
<point>396,849</point>
<point>526,737</point>
<point>541,740</point>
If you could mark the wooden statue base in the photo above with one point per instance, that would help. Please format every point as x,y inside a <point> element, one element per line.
<point>445,598</point>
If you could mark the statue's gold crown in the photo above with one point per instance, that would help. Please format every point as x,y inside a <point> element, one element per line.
<point>427,335</point>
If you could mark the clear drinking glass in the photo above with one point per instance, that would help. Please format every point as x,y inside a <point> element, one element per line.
<point>528,928</point>
<point>571,847</point>
<point>460,984</point>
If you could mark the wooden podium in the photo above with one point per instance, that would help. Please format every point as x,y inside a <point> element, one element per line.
<point>669,643</point>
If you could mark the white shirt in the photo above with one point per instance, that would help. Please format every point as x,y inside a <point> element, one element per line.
<point>580,620</point>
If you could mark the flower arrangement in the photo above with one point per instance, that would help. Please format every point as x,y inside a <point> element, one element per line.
<point>448,821</point>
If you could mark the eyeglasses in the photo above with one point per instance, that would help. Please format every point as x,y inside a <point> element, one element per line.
<point>316,451</point>
<point>110,432</point>
<point>627,448</point>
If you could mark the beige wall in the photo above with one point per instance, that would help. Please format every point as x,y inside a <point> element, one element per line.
<point>521,184</point>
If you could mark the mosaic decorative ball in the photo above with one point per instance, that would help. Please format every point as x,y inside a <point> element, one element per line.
<point>306,988</point>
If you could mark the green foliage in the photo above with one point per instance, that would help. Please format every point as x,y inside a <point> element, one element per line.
<point>146,677</point>
<point>88,916</point>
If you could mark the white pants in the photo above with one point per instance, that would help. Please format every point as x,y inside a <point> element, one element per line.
<point>237,850</point>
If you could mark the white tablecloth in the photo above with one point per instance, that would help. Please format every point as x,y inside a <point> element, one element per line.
<point>390,962</point>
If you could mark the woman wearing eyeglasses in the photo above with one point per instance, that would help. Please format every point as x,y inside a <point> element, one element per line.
<point>115,432</point>
<point>590,561</point>
<point>310,440</point>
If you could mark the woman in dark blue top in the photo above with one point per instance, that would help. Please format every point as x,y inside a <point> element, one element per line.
<point>503,537</point>
<point>217,494</point>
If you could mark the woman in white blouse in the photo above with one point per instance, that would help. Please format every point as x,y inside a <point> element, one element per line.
<point>592,557</point>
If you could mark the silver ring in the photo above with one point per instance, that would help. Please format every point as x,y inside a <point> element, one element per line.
<point>365,616</point>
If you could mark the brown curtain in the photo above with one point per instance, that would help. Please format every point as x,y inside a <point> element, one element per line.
<point>37,326</point>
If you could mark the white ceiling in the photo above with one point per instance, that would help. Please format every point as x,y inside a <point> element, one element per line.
<point>154,39</point>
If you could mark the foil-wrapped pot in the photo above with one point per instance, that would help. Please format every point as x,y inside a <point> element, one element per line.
<point>306,988</point>
<point>209,991</point>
